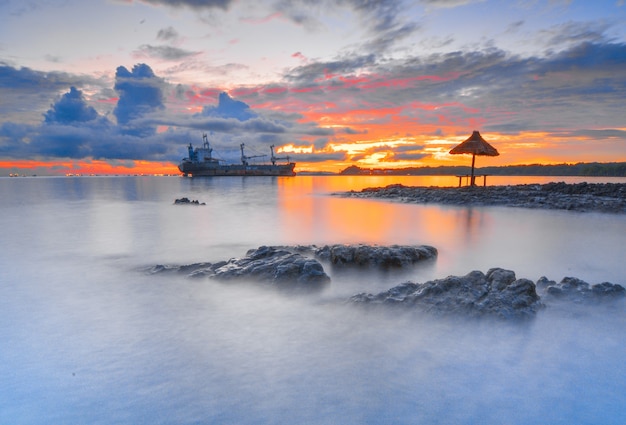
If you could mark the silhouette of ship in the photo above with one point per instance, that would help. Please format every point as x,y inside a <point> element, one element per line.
<point>201,163</point>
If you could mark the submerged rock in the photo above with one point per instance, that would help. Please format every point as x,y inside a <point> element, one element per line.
<point>373,255</point>
<point>497,293</point>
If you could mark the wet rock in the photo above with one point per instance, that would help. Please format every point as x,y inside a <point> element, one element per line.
<point>496,294</point>
<point>373,255</point>
<point>274,265</point>
<point>577,290</point>
<point>270,265</point>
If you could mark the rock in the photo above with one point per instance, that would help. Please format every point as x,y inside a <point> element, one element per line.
<point>274,265</point>
<point>599,197</point>
<point>496,294</point>
<point>577,290</point>
<point>187,201</point>
<point>270,265</point>
<point>378,256</point>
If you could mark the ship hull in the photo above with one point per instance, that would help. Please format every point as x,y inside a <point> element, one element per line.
<point>201,170</point>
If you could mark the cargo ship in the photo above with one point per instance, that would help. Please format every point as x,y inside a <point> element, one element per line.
<point>201,163</point>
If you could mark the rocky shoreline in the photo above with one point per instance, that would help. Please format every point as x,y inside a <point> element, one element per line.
<point>582,197</point>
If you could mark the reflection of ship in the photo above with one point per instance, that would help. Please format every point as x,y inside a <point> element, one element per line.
<point>201,163</point>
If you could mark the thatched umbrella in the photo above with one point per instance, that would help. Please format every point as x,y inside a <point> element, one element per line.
<point>475,145</point>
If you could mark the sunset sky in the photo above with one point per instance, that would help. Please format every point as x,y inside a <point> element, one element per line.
<point>122,86</point>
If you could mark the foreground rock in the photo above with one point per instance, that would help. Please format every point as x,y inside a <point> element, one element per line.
<point>495,294</point>
<point>601,197</point>
<point>375,256</point>
<point>300,264</point>
<point>270,265</point>
<point>498,294</point>
<point>577,290</point>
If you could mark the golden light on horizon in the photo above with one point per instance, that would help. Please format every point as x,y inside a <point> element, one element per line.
<point>295,149</point>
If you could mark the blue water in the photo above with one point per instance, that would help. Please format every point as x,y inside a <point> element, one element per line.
<point>88,337</point>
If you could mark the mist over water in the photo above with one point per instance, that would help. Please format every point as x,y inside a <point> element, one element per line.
<point>89,337</point>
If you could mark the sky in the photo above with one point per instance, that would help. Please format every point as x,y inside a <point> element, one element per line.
<point>123,86</point>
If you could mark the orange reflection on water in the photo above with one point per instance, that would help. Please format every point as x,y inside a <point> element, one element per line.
<point>311,214</point>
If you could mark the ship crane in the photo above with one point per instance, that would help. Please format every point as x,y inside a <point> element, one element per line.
<point>244,158</point>
<point>275,158</point>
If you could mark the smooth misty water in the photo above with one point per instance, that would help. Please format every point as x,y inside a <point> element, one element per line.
<point>88,337</point>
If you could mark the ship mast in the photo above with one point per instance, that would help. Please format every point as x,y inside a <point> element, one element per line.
<point>244,158</point>
<point>274,158</point>
<point>206,146</point>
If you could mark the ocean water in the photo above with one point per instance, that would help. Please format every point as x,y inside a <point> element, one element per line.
<point>88,337</point>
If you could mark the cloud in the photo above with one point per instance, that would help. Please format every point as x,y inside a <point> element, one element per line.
<point>567,34</point>
<point>579,86</point>
<point>227,107</point>
<point>598,134</point>
<point>193,4</point>
<point>447,4</point>
<point>140,92</point>
<point>167,34</point>
<point>317,157</point>
<point>71,108</point>
<point>167,53</point>
<point>385,22</point>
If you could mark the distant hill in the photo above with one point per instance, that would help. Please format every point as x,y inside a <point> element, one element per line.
<point>608,169</point>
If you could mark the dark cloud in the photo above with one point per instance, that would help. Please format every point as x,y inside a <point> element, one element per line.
<point>29,80</point>
<point>567,34</point>
<point>71,108</point>
<point>167,34</point>
<point>228,107</point>
<point>317,157</point>
<point>193,4</point>
<point>25,93</point>
<point>598,134</point>
<point>167,53</point>
<point>447,3</point>
<point>305,75</point>
<point>140,92</point>
<point>580,86</point>
<point>384,21</point>
<point>73,129</point>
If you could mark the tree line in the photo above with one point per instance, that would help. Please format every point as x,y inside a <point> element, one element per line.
<point>591,169</point>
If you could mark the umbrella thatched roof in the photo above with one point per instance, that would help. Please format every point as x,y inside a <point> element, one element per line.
<point>475,145</point>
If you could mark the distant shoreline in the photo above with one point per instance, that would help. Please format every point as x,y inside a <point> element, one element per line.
<point>582,197</point>
<point>581,169</point>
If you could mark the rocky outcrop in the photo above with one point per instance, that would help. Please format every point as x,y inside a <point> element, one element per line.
<point>375,256</point>
<point>300,264</point>
<point>577,290</point>
<point>600,197</point>
<point>497,293</point>
<point>270,265</point>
